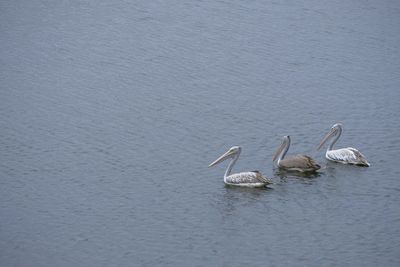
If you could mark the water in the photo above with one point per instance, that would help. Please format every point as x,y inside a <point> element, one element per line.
<point>110,113</point>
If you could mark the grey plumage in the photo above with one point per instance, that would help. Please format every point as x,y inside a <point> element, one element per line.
<point>300,162</point>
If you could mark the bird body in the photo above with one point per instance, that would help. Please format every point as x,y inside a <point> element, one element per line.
<point>246,179</point>
<point>300,163</point>
<point>348,155</point>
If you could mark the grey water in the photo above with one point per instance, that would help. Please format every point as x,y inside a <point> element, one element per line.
<point>111,111</point>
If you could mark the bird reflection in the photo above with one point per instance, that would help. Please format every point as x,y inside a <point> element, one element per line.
<point>307,178</point>
<point>234,198</point>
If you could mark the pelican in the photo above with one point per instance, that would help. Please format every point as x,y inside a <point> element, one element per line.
<point>248,179</point>
<point>301,163</point>
<point>346,155</point>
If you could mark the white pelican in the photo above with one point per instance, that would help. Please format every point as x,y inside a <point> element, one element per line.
<point>249,179</point>
<point>346,155</point>
<point>301,163</point>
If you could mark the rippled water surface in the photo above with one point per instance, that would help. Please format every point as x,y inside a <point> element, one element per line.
<point>111,111</point>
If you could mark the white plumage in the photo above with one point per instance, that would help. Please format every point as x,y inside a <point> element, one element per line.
<point>248,179</point>
<point>347,155</point>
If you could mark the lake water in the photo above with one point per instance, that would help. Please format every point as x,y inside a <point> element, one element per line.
<point>111,111</point>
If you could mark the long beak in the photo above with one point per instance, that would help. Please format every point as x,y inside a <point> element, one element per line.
<point>329,135</point>
<point>222,158</point>
<point>278,151</point>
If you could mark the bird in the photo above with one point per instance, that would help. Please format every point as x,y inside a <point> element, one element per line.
<point>246,179</point>
<point>348,155</point>
<point>299,163</point>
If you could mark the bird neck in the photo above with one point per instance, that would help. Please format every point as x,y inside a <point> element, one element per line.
<point>231,164</point>
<point>335,138</point>
<point>284,151</point>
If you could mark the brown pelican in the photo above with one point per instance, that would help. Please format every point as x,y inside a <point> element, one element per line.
<point>301,163</point>
<point>346,155</point>
<point>249,179</point>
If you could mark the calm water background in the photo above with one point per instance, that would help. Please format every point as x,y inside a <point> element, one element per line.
<point>111,111</point>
